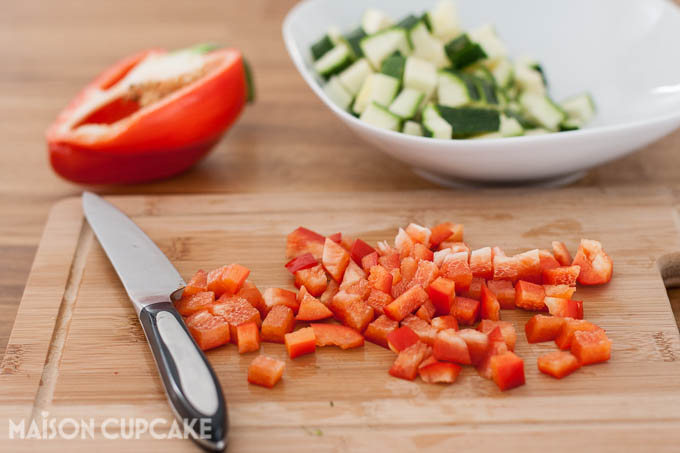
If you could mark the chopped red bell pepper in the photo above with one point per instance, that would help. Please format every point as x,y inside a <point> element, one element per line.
<point>368,261</point>
<point>403,243</point>
<point>475,289</point>
<point>377,331</point>
<point>235,310</point>
<point>561,253</point>
<point>380,279</point>
<point>419,233</point>
<point>336,237</point>
<point>570,326</point>
<point>542,328</point>
<point>422,252</point>
<point>208,331</point>
<point>197,284</point>
<point>426,273</point>
<point>591,347</point>
<point>130,126</point>
<point>279,296</point>
<point>548,260</point>
<point>279,321</point>
<point>596,266</point>
<point>406,364</point>
<point>442,292</point>
<point>426,311</point>
<point>335,260</point>
<point>451,347</point>
<point>250,293</point>
<point>360,249</point>
<point>378,300</point>
<point>529,296</point>
<point>314,279</point>
<point>455,247</point>
<point>504,291</point>
<point>506,328</point>
<point>311,309</point>
<point>445,322</point>
<point>265,371</point>
<point>248,337</point>
<point>455,267</point>
<point>331,290</point>
<point>558,364</point>
<point>505,267</point>
<point>477,344</point>
<point>406,303</point>
<point>563,275</point>
<point>497,346</point>
<point>407,270</point>
<point>529,266</point>
<point>300,342</point>
<point>507,370</point>
<point>436,372</point>
<point>353,273</point>
<point>565,308</point>
<point>336,335</point>
<point>227,279</point>
<point>351,310</point>
<point>302,241</point>
<point>481,263</point>
<point>423,329</point>
<point>401,338</point>
<point>390,261</point>
<point>441,233</point>
<point>563,291</point>
<point>466,310</point>
<point>200,301</point>
<point>490,307</point>
<point>304,261</point>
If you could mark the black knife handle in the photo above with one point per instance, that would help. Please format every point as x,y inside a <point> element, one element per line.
<point>190,382</point>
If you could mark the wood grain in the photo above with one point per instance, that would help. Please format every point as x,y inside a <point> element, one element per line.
<point>286,141</point>
<point>95,360</point>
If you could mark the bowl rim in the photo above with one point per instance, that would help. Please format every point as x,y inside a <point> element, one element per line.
<point>299,62</point>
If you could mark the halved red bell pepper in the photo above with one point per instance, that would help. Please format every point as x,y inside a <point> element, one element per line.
<point>150,116</point>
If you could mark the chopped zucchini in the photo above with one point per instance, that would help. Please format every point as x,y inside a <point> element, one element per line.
<point>375,20</point>
<point>488,39</point>
<point>541,109</point>
<point>453,89</point>
<point>378,88</point>
<point>487,90</point>
<point>353,39</point>
<point>320,47</point>
<point>407,103</point>
<point>510,127</point>
<point>335,35</point>
<point>394,66</point>
<point>528,78</point>
<point>408,22</point>
<point>378,116</point>
<point>579,108</point>
<point>379,46</point>
<point>502,71</point>
<point>420,75</point>
<point>412,128</point>
<point>338,93</point>
<point>570,125</point>
<point>537,131</point>
<point>463,52</point>
<point>468,121</point>
<point>354,76</point>
<point>334,61</point>
<point>434,125</point>
<point>426,46</point>
<point>444,22</point>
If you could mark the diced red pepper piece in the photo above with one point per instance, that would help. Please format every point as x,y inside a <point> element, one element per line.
<point>426,311</point>
<point>331,290</point>
<point>542,328</point>
<point>563,291</point>
<point>455,267</point>
<point>406,303</point>
<point>335,260</point>
<point>419,233</point>
<point>303,241</point>
<point>451,347</point>
<point>208,331</point>
<point>300,342</point>
<point>563,275</point>
<point>378,300</point>
<point>426,273</point>
<point>407,270</point>
<point>360,249</point>
<point>442,292</point>
<point>507,370</point>
<point>506,329</point>
<point>401,338</point>
<point>368,261</point>
<point>455,247</point>
<point>445,322</point>
<point>380,279</point>
<point>529,266</point>
<point>596,266</point>
<point>197,284</point>
<point>591,347</point>
<point>200,301</point>
<point>279,321</point>
<point>565,308</point>
<point>403,243</point>
<point>313,278</point>
<point>391,261</point>
<point>250,293</point>
<point>481,263</point>
<point>301,262</point>
<point>477,344</point>
<point>311,309</point>
<point>570,326</point>
<point>248,337</point>
<point>353,274</point>
<point>548,260</point>
<point>436,372</point>
<point>279,296</point>
<point>423,329</point>
<point>265,371</point>
<point>475,289</point>
<point>505,268</point>
<point>558,364</point>
<point>360,288</point>
<point>346,242</point>
<point>529,296</point>
<point>227,279</point>
<point>406,364</point>
<point>336,335</point>
<point>497,346</point>
<point>235,311</point>
<point>351,310</point>
<point>377,331</point>
<point>504,291</point>
<point>561,253</point>
<point>466,310</point>
<point>490,307</point>
<point>441,233</point>
<point>336,237</point>
<point>422,252</point>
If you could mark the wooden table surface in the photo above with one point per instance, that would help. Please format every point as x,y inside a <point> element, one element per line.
<point>287,141</point>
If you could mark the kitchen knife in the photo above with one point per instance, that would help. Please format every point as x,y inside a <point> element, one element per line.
<point>152,283</point>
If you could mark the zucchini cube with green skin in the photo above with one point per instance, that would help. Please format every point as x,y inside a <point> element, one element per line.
<point>462,52</point>
<point>377,87</point>
<point>374,20</point>
<point>452,89</point>
<point>426,46</point>
<point>337,93</point>
<point>420,75</point>
<point>320,47</point>
<point>412,128</point>
<point>407,22</point>
<point>378,116</point>
<point>353,39</point>
<point>488,40</point>
<point>580,109</point>
<point>334,61</point>
<point>541,109</point>
<point>381,45</point>
<point>527,78</point>
<point>407,103</point>
<point>354,76</point>
<point>394,66</point>
<point>444,21</point>
<point>502,71</point>
<point>468,121</point>
<point>434,125</point>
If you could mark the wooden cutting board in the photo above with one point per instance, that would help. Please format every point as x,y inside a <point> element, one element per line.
<point>77,349</point>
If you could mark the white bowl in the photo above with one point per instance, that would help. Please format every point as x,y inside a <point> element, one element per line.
<point>620,51</point>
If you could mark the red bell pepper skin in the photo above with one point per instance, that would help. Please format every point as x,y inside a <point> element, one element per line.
<point>542,328</point>
<point>248,338</point>
<point>336,237</point>
<point>408,360</point>
<point>423,329</point>
<point>336,335</point>
<point>279,321</point>
<point>565,308</point>
<point>134,143</point>
<point>360,249</point>
<point>401,338</point>
<point>507,370</point>
<point>300,342</point>
<point>506,328</point>
<point>591,347</point>
<point>490,307</point>
<point>298,263</point>
<point>442,292</point>
<point>265,371</point>
<point>451,347</point>
<point>558,364</point>
<point>302,241</point>
<point>378,330</point>
<point>406,303</point>
<point>571,326</point>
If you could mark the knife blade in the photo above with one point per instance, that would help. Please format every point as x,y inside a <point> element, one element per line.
<point>151,282</point>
